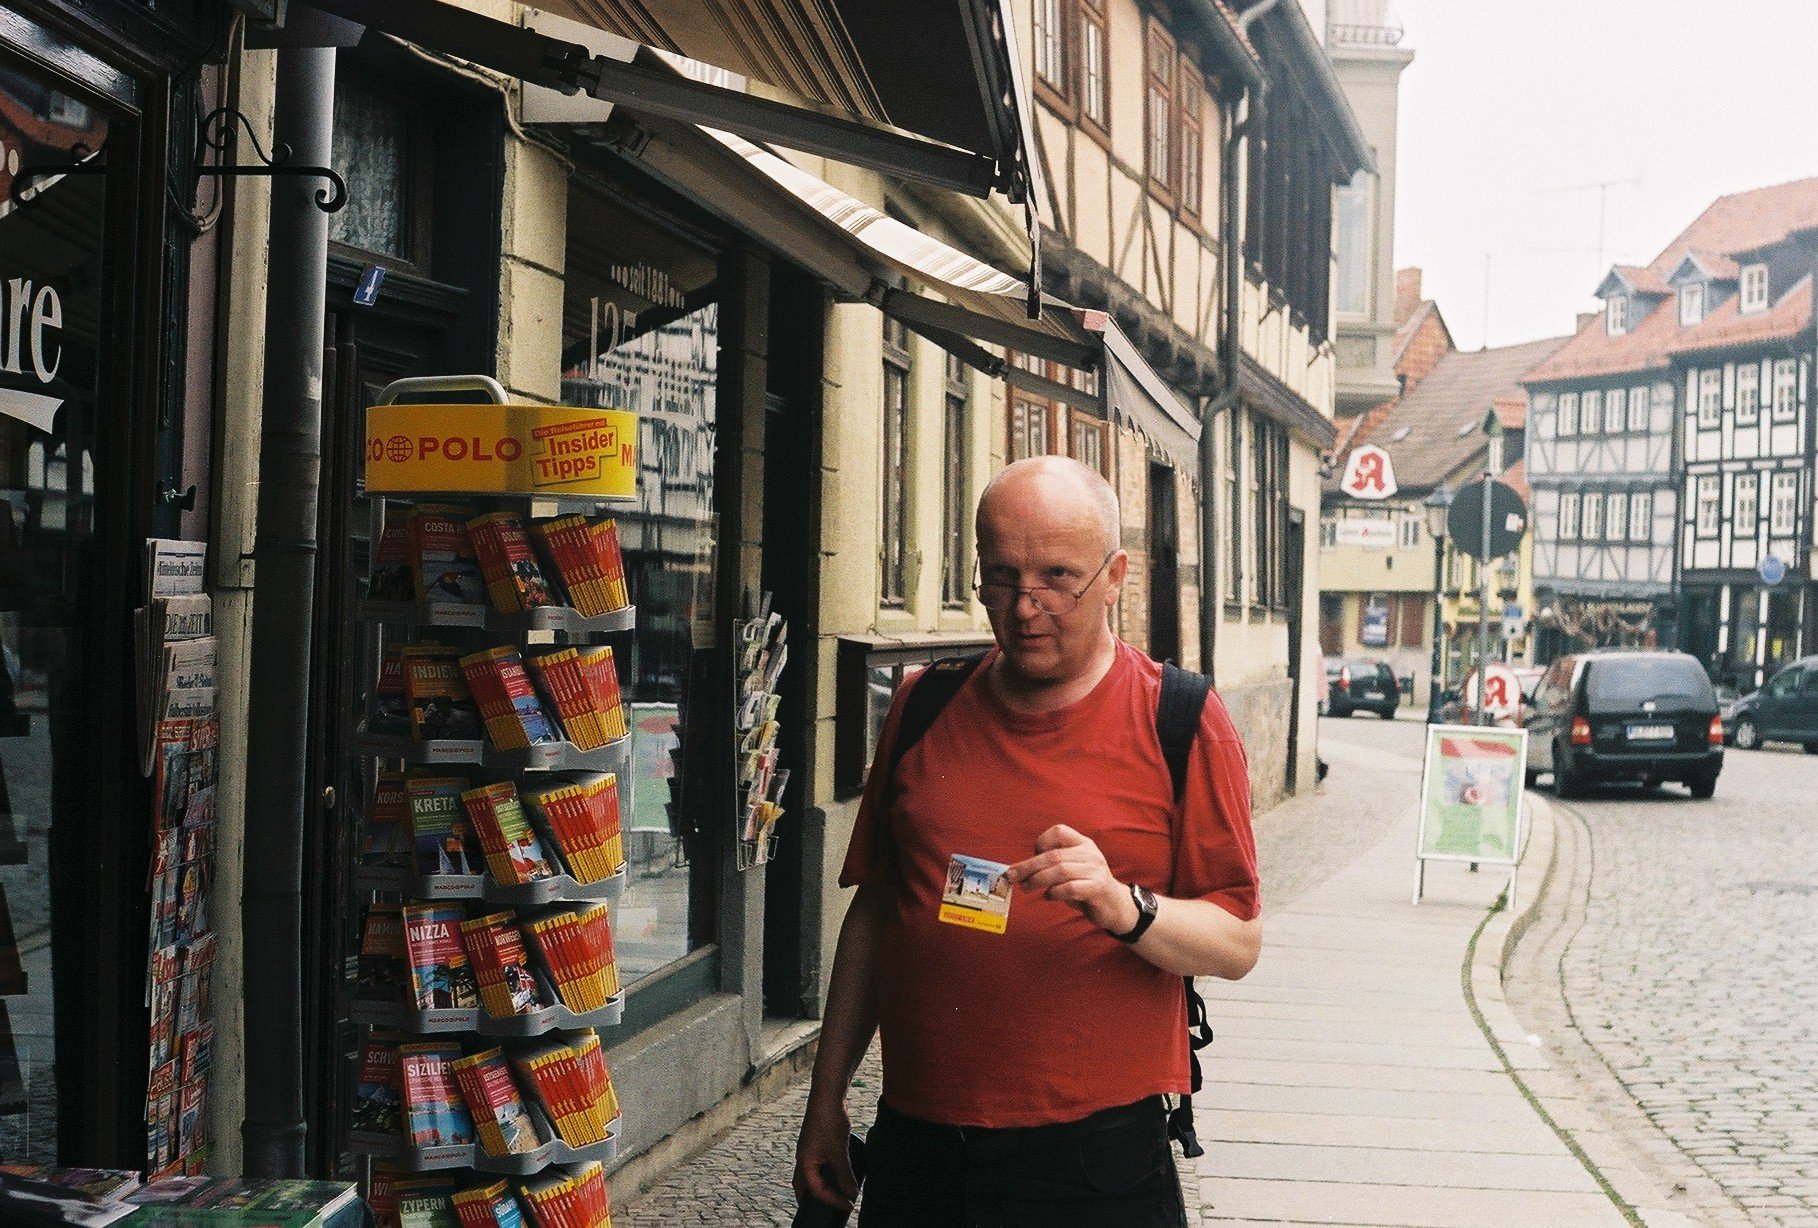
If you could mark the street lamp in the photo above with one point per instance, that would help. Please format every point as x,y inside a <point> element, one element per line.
<point>1438,504</point>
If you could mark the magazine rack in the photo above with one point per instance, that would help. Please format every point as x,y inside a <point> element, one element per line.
<point>476,627</point>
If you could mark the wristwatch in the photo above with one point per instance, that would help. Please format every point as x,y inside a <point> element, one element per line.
<point>1145,913</point>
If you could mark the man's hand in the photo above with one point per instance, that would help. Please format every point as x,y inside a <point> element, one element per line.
<point>823,1162</point>
<point>1070,868</point>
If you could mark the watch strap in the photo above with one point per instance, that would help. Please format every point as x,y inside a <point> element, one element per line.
<point>1145,914</point>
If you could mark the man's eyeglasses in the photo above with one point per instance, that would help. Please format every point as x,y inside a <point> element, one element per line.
<point>1002,595</point>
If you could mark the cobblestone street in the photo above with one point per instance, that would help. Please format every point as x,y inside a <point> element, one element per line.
<point>1682,977</point>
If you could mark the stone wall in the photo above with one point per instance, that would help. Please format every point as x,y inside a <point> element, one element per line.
<point>1260,712</point>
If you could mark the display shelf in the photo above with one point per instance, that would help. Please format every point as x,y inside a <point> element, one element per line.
<point>615,756</point>
<point>561,620</point>
<point>399,1016</point>
<point>471,1155</point>
<point>561,888</point>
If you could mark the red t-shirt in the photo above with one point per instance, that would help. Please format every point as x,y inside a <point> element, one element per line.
<point>1052,1019</point>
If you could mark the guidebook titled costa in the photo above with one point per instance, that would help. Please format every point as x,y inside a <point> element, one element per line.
<point>440,978</point>
<point>448,572</point>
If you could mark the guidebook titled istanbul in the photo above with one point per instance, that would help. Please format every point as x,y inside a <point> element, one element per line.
<point>977,895</point>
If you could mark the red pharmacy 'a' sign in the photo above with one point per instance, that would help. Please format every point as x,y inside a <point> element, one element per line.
<point>1369,474</point>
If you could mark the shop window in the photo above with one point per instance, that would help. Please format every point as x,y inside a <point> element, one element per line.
<point>61,969</point>
<point>1748,505</point>
<point>1783,509</point>
<point>1786,390</point>
<point>1748,394</point>
<point>958,429</point>
<point>381,150</point>
<point>1095,65</point>
<point>894,586</point>
<point>1161,113</point>
<point>646,298</point>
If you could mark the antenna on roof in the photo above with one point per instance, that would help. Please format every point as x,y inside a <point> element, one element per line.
<point>1602,188</point>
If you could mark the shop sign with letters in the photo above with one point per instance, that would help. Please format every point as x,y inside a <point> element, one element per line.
<point>501,449</point>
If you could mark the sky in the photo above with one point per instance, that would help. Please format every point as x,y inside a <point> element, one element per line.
<point>1511,113</point>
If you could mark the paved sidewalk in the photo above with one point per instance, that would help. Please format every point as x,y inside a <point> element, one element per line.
<point>1350,1083</point>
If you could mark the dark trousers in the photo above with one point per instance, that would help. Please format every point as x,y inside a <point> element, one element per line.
<point>1112,1169</point>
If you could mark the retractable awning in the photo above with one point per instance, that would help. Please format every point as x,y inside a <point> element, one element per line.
<point>930,90</point>
<point>953,299</point>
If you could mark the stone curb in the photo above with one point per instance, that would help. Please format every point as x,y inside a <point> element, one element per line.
<point>1569,1111</point>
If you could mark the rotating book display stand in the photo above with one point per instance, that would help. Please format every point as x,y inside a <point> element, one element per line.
<point>473,627</point>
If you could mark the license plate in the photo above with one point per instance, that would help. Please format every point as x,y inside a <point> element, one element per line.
<point>1650,733</point>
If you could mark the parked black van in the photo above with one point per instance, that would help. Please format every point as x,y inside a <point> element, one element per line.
<point>1625,715</point>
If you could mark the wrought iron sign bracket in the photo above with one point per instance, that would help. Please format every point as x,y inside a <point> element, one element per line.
<point>217,134</point>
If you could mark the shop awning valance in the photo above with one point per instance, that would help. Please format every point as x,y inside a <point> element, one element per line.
<point>929,90</point>
<point>953,299</point>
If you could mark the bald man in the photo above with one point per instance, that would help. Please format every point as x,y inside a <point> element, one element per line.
<point>1033,1023</point>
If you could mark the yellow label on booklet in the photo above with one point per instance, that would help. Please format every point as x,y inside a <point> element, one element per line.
<point>977,895</point>
<point>501,449</point>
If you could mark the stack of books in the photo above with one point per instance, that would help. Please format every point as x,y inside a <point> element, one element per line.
<point>514,576</point>
<point>569,1081</point>
<point>435,1111</point>
<point>567,1196</point>
<point>514,852</point>
<point>507,701</point>
<point>430,692</point>
<point>575,946</point>
<point>573,1197</point>
<point>587,562</point>
<point>497,1105</point>
<point>501,968</point>
<point>582,685</point>
<point>580,815</point>
<point>446,570</point>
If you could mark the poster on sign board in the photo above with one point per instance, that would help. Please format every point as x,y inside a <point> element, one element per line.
<point>1471,798</point>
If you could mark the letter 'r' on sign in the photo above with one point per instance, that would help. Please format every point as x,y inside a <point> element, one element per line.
<point>1369,474</point>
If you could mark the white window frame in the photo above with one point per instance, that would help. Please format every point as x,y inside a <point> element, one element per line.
<point>1748,393</point>
<point>1710,398</point>
<point>1590,415</point>
<point>1591,518</point>
<point>1638,408</point>
<point>1569,503</point>
<point>1641,516</point>
<point>1691,303</point>
<point>1050,38</point>
<point>1754,292</point>
<point>1783,508</point>
<point>1616,315</point>
<point>1616,516</point>
<point>1568,415</point>
<point>1710,505</point>
<point>1615,411</point>
<point>1747,506</point>
<point>1410,535</point>
<point>1786,389</point>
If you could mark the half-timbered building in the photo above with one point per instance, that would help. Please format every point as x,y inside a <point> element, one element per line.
<point>1745,370</point>
<point>1159,156</point>
<point>1604,416</point>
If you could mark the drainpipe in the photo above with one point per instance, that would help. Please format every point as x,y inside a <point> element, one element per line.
<point>290,458</point>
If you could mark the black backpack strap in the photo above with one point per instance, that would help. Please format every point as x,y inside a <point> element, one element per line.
<point>928,698</point>
<point>1177,717</point>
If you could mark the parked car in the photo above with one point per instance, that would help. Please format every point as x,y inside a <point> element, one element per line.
<point>1785,710</point>
<point>1625,715</point>
<point>1359,684</point>
<point>1454,710</point>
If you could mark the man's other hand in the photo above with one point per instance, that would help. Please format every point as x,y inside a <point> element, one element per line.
<point>1070,868</point>
<point>823,1161</point>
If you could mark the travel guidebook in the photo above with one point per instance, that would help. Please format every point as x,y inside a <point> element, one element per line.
<point>379,972</point>
<point>498,1108</point>
<point>378,1098</point>
<point>438,824</point>
<point>507,701</point>
<point>441,707</point>
<point>440,978</point>
<point>509,563</point>
<point>501,968</point>
<point>435,1114</point>
<point>447,571</point>
<point>977,895</point>
<point>427,1202</point>
<point>238,1202</point>
<point>514,853</point>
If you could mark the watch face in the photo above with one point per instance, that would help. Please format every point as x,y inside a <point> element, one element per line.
<point>1145,899</point>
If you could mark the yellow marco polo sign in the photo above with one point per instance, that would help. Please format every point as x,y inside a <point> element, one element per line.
<point>501,449</point>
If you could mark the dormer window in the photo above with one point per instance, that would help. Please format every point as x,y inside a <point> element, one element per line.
<point>1754,288</point>
<point>1616,315</point>
<point>1691,303</point>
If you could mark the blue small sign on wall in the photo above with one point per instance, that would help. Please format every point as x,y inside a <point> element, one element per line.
<point>366,290</point>
<point>1374,630</point>
<point>1772,569</point>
